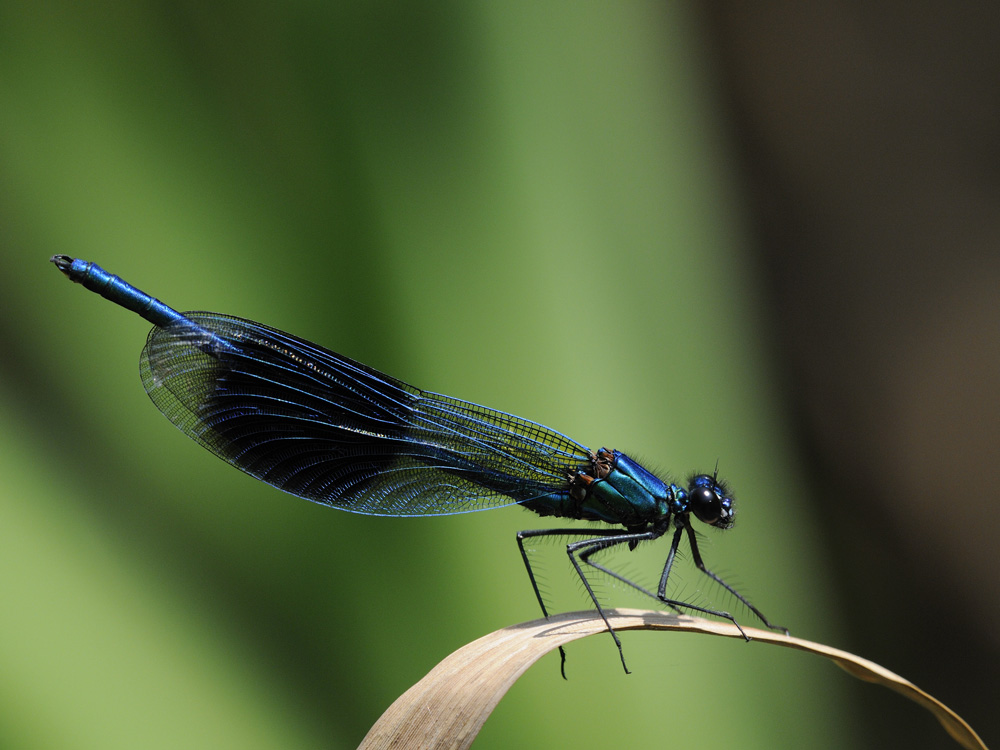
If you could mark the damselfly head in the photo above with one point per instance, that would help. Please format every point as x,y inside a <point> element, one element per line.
<point>709,500</point>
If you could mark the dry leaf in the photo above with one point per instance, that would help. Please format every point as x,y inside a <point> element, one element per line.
<point>449,706</point>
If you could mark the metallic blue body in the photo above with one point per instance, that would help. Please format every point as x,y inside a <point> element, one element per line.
<point>629,495</point>
<point>114,288</point>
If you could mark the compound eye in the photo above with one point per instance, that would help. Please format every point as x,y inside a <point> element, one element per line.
<point>709,503</point>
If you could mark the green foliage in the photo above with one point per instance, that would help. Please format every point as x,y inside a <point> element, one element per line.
<point>528,206</point>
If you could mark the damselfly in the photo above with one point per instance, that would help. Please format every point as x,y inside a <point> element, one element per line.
<point>326,428</point>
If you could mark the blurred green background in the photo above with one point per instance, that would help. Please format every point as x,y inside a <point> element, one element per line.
<point>530,206</point>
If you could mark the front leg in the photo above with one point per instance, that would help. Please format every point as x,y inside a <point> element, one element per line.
<point>701,566</point>
<point>675,604</point>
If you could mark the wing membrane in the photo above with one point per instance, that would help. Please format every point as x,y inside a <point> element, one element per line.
<point>334,431</point>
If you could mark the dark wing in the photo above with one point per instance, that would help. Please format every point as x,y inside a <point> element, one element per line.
<point>334,431</point>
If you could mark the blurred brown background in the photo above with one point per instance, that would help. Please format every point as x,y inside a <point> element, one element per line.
<point>869,142</point>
